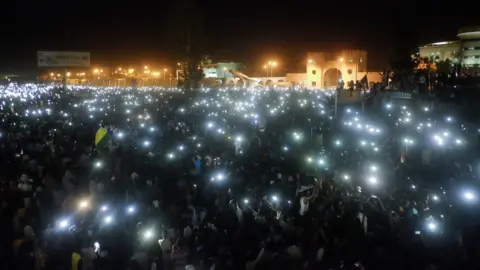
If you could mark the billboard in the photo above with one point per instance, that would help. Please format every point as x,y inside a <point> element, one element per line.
<point>63,59</point>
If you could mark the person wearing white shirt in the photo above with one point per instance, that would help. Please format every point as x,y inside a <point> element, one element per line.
<point>305,202</point>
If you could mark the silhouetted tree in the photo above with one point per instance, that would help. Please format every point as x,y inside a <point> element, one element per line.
<point>187,39</point>
<point>405,47</point>
<point>444,66</point>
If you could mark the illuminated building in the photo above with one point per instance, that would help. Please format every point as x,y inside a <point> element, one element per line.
<point>465,51</point>
<point>441,51</point>
<point>470,45</point>
<point>220,70</point>
<point>325,70</point>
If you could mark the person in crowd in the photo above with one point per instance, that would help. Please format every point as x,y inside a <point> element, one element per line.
<point>170,179</point>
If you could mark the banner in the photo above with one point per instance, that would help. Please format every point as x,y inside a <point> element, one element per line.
<point>63,59</point>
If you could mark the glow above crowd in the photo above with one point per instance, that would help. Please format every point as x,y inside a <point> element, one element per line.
<point>233,115</point>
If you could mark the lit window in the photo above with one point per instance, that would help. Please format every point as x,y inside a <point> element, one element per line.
<point>361,60</point>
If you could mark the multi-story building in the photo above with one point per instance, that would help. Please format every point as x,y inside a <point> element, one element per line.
<point>441,51</point>
<point>465,51</point>
<point>470,45</point>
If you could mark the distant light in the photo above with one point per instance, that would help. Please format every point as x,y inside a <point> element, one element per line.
<point>108,219</point>
<point>83,204</point>
<point>148,234</point>
<point>64,223</point>
<point>469,196</point>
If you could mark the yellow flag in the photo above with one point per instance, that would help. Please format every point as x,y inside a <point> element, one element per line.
<point>101,138</point>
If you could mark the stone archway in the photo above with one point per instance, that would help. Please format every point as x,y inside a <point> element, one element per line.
<point>268,83</point>
<point>331,77</point>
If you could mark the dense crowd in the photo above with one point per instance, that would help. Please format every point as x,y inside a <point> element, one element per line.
<point>108,178</point>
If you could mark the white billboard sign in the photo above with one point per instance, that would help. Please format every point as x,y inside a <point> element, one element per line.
<point>63,59</point>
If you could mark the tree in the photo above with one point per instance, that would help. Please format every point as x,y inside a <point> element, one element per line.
<point>187,39</point>
<point>444,66</point>
<point>402,66</point>
<point>434,69</point>
<point>206,60</point>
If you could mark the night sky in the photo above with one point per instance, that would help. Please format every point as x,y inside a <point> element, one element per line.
<point>251,31</point>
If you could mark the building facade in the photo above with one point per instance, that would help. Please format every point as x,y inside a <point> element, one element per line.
<point>220,70</point>
<point>325,70</point>
<point>441,51</point>
<point>470,42</point>
<point>465,51</point>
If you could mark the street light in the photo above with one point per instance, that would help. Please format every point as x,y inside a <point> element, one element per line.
<point>164,73</point>
<point>274,64</point>
<point>310,61</point>
<point>270,64</point>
